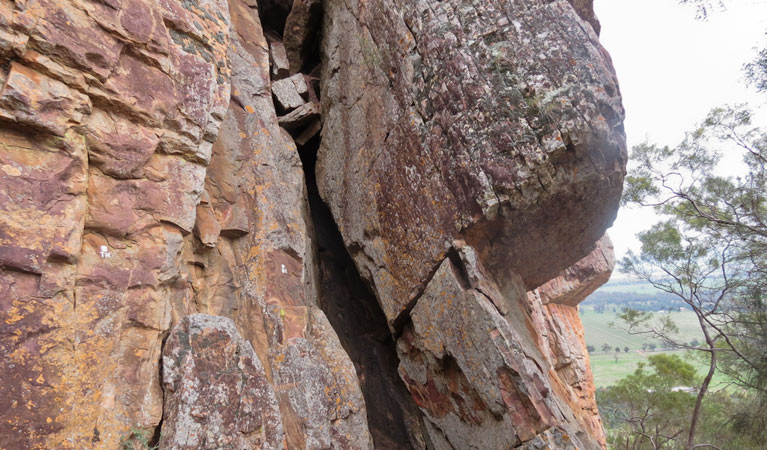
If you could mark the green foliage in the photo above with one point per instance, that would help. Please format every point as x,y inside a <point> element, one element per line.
<point>644,410</point>
<point>710,251</point>
<point>651,409</point>
<point>137,439</point>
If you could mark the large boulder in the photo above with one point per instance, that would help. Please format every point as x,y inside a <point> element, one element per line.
<point>472,153</point>
<point>497,123</point>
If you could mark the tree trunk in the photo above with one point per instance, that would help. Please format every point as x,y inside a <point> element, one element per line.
<point>703,387</point>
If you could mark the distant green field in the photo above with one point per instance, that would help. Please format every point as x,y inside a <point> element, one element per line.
<point>599,331</point>
<point>607,370</point>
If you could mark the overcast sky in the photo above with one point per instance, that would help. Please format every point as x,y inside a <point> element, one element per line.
<point>672,69</point>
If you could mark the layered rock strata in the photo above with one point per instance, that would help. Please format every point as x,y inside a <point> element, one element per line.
<point>146,178</point>
<point>172,273</point>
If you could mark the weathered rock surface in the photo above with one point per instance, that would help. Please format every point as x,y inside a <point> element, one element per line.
<point>495,134</point>
<point>554,312</point>
<point>582,278</point>
<point>216,392</point>
<point>109,112</point>
<point>170,275</point>
<point>471,153</point>
<point>145,178</point>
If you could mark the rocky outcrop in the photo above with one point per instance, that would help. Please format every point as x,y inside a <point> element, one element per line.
<point>578,281</point>
<point>146,178</point>
<point>553,309</point>
<point>471,153</point>
<point>172,273</point>
<point>494,135</point>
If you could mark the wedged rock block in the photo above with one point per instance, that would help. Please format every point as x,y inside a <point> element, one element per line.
<point>578,281</point>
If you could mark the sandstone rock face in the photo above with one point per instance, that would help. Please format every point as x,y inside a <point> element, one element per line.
<point>217,394</point>
<point>145,178</point>
<point>554,312</point>
<point>582,278</point>
<point>471,153</point>
<point>173,274</point>
<point>109,113</point>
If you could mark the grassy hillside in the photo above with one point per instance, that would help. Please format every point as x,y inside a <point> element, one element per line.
<point>606,328</point>
<point>599,330</point>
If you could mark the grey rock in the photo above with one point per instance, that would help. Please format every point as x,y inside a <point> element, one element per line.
<point>497,124</point>
<point>289,92</point>
<point>303,115</point>
<point>279,59</point>
<point>216,392</point>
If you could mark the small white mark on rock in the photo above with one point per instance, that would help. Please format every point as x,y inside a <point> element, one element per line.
<point>104,251</point>
<point>284,269</point>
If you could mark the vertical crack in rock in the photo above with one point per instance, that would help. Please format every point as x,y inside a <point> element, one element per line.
<point>252,256</point>
<point>137,190</point>
<point>356,317</point>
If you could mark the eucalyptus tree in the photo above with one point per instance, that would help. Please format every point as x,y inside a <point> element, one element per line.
<point>710,248</point>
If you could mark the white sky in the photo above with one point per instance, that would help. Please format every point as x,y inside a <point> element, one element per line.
<point>672,70</point>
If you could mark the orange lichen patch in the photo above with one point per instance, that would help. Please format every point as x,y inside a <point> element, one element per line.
<point>295,320</point>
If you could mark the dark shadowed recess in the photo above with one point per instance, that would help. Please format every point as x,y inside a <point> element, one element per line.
<point>274,14</point>
<point>361,326</point>
<point>394,420</point>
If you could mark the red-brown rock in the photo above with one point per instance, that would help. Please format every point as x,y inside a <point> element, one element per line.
<point>471,154</point>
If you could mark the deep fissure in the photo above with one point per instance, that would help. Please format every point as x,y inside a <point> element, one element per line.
<point>351,308</point>
<point>359,322</point>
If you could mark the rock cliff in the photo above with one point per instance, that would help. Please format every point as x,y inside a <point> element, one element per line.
<point>302,224</point>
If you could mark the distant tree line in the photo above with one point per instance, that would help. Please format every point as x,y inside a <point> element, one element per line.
<point>616,301</point>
